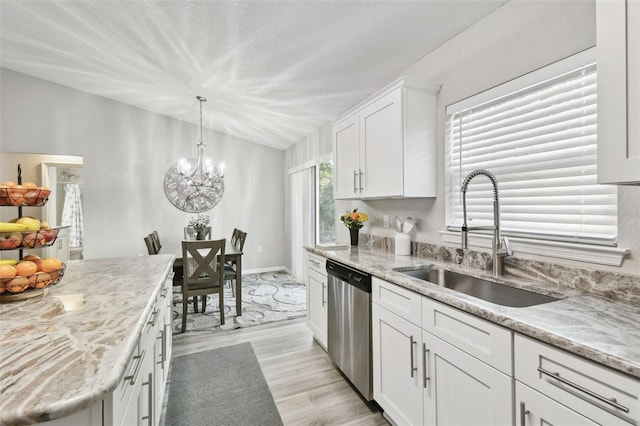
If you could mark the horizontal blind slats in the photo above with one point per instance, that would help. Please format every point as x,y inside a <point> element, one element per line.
<point>540,143</point>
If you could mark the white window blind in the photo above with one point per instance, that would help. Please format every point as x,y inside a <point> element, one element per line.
<point>540,143</point>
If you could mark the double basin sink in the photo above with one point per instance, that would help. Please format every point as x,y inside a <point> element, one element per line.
<point>489,291</point>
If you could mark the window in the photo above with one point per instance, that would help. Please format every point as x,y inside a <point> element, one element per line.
<point>537,135</point>
<point>326,209</point>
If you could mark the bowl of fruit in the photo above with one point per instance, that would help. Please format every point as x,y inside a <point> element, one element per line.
<point>29,276</point>
<point>27,232</point>
<point>26,194</point>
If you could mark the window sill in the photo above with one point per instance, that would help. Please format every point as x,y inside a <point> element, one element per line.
<point>611,256</point>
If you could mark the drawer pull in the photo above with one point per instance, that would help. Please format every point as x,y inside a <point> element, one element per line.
<point>523,414</point>
<point>154,315</point>
<point>411,344</point>
<point>134,376</point>
<point>315,262</point>
<point>425,356</point>
<point>610,401</point>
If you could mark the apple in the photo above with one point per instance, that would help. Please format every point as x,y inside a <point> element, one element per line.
<point>49,234</point>
<point>10,240</point>
<point>33,240</point>
<point>32,223</point>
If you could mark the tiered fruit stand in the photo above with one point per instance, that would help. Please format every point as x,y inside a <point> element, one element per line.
<point>25,287</point>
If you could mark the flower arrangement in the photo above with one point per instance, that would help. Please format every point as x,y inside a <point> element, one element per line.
<point>199,223</point>
<point>354,219</point>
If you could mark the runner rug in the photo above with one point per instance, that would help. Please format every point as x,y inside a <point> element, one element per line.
<point>223,386</point>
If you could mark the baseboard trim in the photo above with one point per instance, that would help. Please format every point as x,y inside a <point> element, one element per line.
<point>267,269</point>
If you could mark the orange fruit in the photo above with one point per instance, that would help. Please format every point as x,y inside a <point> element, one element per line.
<point>35,259</point>
<point>26,268</point>
<point>7,271</point>
<point>50,264</point>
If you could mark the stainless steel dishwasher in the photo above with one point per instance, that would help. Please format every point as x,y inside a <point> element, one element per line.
<point>349,325</point>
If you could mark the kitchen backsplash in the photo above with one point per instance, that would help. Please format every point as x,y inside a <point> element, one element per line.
<point>621,287</point>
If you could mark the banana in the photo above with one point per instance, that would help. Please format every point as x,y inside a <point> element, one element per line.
<point>8,262</point>
<point>12,227</point>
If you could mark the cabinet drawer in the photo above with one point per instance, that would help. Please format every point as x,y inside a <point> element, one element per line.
<point>598,392</point>
<point>402,302</point>
<point>317,263</point>
<point>482,339</point>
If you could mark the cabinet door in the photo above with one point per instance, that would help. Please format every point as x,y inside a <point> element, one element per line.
<point>397,372</point>
<point>381,148</point>
<point>346,151</point>
<point>533,408</point>
<point>462,390</point>
<point>146,415</point>
<point>317,306</point>
<point>618,50</point>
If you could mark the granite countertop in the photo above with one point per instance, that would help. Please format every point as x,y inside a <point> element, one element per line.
<point>62,352</point>
<point>600,329</point>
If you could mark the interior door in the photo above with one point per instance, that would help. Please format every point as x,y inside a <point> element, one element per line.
<point>301,218</point>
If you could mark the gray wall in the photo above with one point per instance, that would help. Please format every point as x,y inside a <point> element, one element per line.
<point>127,152</point>
<point>519,37</point>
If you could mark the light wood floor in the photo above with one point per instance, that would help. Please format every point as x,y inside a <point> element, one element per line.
<point>306,387</point>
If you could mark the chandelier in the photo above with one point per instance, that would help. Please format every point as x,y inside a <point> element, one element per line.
<point>195,185</point>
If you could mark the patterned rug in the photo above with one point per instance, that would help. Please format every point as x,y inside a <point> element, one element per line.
<point>266,297</point>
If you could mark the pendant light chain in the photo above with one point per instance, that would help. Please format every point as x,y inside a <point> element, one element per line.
<point>201,99</point>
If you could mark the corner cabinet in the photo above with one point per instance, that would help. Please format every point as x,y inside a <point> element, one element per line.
<point>618,52</point>
<point>386,146</point>
<point>317,298</point>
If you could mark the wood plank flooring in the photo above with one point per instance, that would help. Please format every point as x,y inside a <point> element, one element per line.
<point>306,387</point>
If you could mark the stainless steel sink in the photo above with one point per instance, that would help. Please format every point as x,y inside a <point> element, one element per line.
<point>499,294</point>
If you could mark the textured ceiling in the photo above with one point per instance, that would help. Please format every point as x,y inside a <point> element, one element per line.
<point>273,71</point>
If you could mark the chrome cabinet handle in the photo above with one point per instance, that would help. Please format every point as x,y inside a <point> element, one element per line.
<point>134,376</point>
<point>324,300</point>
<point>355,177</point>
<point>425,355</point>
<point>315,262</point>
<point>610,401</point>
<point>411,344</point>
<point>523,414</point>
<point>149,383</point>
<point>360,180</point>
<point>161,337</point>
<point>154,315</point>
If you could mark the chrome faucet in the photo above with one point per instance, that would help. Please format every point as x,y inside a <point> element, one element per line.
<point>500,245</point>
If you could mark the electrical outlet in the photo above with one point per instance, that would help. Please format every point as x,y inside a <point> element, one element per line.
<point>259,249</point>
<point>386,220</point>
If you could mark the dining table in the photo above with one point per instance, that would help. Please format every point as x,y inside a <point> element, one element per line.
<point>231,253</point>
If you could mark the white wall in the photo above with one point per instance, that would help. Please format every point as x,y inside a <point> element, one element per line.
<point>127,152</point>
<point>517,38</point>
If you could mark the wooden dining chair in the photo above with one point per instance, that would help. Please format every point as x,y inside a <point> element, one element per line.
<point>156,240</point>
<point>237,239</point>
<point>151,249</point>
<point>203,273</point>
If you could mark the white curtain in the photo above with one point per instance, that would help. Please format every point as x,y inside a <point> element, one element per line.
<point>72,214</point>
<point>302,218</point>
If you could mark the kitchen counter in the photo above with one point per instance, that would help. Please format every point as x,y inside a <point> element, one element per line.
<point>600,329</point>
<point>63,352</point>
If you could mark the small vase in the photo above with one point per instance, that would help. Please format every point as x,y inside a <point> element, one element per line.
<point>201,235</point>
<point>355,232</point>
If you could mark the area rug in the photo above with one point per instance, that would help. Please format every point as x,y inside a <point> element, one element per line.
<point>266,297</point>
<point>223,386</point>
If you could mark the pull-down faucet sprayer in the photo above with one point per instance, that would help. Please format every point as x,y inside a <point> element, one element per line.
<point>500,245</point>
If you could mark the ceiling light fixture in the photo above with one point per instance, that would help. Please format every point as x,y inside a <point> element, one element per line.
<point>195,185</point>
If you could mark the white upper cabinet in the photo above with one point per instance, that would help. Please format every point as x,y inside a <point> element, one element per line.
<point>618,49</point>
<point>386,147</point>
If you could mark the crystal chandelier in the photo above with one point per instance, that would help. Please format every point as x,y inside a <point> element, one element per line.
<point>195,185</point>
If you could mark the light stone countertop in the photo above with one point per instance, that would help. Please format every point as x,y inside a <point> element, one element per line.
<point>62,352</point>
<point>600,329</point>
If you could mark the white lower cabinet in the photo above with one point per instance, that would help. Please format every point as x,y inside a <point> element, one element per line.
<point>533,408</point>
<point>317,298</point>
<point>461,390</point>
<point>397,371</point>
<point>599,394</point>
<point>421,379</point>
